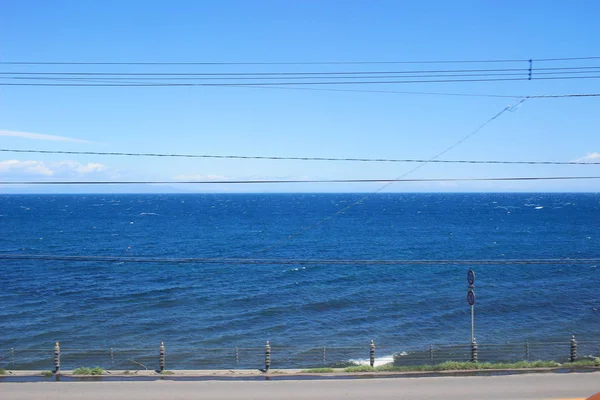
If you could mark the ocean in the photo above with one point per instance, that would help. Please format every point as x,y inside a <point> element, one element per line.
<point>100,305</point>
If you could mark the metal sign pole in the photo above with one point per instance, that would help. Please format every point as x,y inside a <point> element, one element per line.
<point>472,323</point>
<point>471,301</point>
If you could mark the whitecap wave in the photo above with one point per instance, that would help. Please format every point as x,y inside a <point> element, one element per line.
<point>379,361</point>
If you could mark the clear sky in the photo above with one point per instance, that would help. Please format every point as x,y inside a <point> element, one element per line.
<point>278,122</point>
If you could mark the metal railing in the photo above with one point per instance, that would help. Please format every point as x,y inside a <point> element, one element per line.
<point>279,357</point>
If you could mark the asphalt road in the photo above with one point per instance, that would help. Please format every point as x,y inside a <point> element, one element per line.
<point>514,387</point>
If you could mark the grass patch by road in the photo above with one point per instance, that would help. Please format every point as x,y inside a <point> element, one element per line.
<point>318,370</point>
<point>2,371</point>
<point>585,363</point>
<point>458,366</point>
<point>361,368</point>
<point>46,373</point>
<point>88,371</point>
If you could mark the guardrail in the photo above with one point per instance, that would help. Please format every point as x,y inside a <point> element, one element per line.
<point>274,356</point>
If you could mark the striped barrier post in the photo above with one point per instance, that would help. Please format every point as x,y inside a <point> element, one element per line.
<point>267,356</point>
<point>372,354</point>
<point>573,356</point>
<point>474,351</point>
<point>57,358</point>
<point>161,360</point>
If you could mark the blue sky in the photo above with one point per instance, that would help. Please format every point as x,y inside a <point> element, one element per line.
<point>255,121</point>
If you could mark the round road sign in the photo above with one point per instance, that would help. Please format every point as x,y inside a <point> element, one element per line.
<point>471,277</point>
<point>471,297</point>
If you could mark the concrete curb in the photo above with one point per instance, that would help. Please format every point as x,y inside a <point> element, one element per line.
<point>290,373</point>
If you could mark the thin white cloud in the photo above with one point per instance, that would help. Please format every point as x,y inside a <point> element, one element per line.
<point>57,169</point>
<point>25,168</point>
<point>590,157</point>
<point>77,167</point>
<point>41,136</point>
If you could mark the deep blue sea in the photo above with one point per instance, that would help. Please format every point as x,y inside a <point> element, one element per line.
<point>137,305</point>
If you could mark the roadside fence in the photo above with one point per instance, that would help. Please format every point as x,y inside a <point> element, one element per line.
<point>271,356</point>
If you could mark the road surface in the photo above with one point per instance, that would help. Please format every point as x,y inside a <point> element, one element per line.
<point>513,387</point>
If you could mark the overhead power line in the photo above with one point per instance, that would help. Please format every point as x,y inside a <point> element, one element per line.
<point>237,78</point>
<point>261,74</point>
<point>249,84</point>
<point>349,159</point>
<point>329,89</point>
<point>299,80</point>
<point>558,96</point>
<point>514,60</point>
<point>279,181</point>
<point>236,75</point>
<point>177,78</point>
<point>529,71</point>
<point>286,261</point>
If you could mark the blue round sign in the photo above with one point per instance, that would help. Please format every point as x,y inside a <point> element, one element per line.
<point>471,277</point>
<point>471,297</point>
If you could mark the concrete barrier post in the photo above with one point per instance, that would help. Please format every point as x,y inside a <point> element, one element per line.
<point>573,356</point>
<point>431,353</point>
<point>12,357</point>
<point>161,359</point>
<point>527,352</point>
<point>324,356</point>
<point>57,358</point>
<point>474,351</point>
<point>237,356</point>
<point>372,354</point>
<point>112,358</point>
<point>267,356</point>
